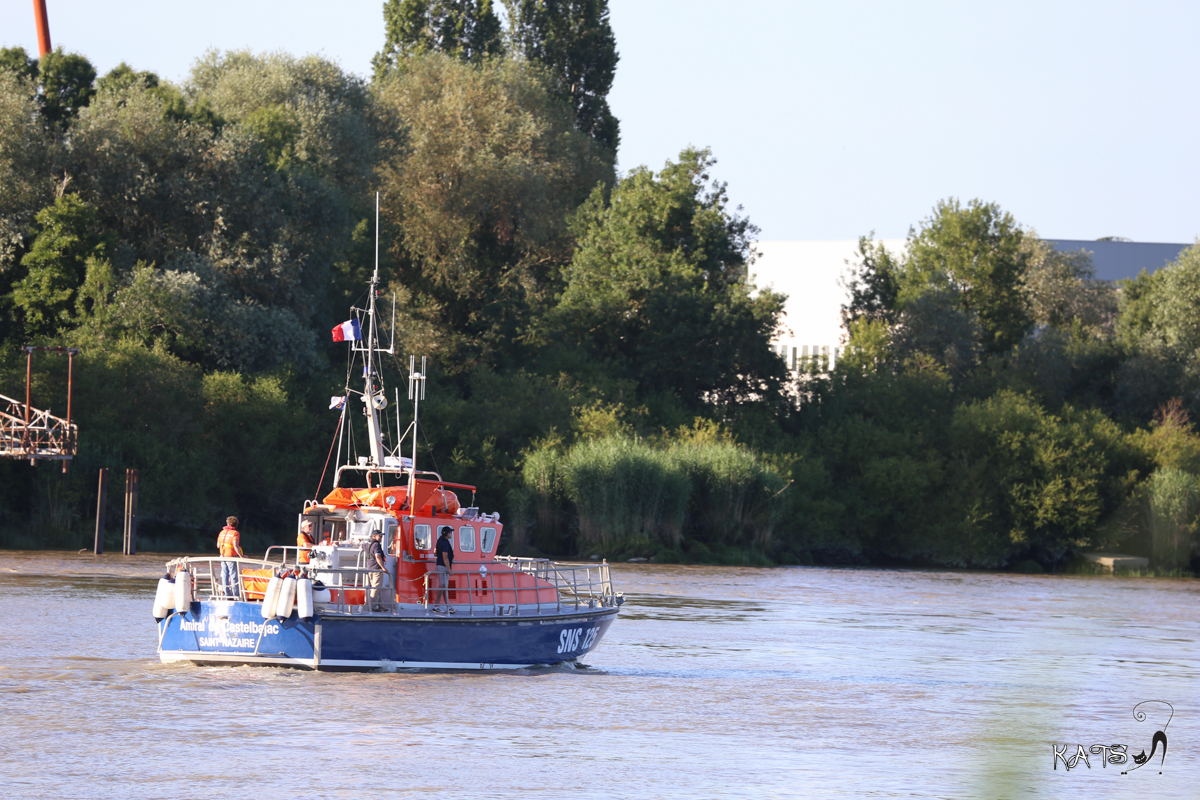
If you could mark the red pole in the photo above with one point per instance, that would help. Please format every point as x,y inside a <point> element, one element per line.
<point>68,443</point>
<point>28,380</point>
<point>43,26</point>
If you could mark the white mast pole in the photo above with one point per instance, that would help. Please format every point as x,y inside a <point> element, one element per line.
<point>374,433</point>
<point>416,393</point>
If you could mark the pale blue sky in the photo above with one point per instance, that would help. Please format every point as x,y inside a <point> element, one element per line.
<point>828,120</point>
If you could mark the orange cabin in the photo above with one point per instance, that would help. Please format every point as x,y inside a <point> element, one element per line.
<point>410,540</point>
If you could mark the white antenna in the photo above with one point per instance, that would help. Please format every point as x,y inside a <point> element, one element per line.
<point>416,393</point>
<point>392,346</point>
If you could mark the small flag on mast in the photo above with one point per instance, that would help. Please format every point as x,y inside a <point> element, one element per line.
<point>348,331</point>
<point>337,402</point>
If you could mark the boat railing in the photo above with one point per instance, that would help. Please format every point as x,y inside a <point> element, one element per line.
<point>557,587</point>
<point>571,587</point>
<point>253,574</point>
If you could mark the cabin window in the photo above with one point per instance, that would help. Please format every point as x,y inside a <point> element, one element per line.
<point>466,539</point>
<point>423,536</point>
<point>487,538</point>
<point>333,530</point>
<point>361,530</point>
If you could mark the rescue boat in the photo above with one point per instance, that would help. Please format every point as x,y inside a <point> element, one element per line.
<point>313,608</point>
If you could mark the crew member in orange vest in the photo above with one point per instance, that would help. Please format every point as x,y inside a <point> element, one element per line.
<point>229,543</point>
<point>304,540</point>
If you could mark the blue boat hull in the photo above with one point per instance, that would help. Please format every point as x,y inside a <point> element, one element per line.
<point>229,632</point>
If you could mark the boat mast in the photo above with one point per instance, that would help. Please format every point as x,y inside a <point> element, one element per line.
<point>373,400</point>
<point>416,393</point>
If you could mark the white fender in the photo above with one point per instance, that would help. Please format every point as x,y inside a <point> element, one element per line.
<point>164,598</point>
<point>271,596</point>
<point>304,598</point>
<point>287,598</point>
<point>322,596</point>
<point>183,590</point>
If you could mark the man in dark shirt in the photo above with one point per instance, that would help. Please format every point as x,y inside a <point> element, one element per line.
<point>445,563</point>
<point>378,569</point>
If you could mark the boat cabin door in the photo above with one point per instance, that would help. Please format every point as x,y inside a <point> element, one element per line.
<point>391,532</point>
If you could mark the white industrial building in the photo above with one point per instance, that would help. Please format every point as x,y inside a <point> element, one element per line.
<point>810,274</point>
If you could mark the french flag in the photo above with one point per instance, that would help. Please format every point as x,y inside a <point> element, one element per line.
<point>348,331</point>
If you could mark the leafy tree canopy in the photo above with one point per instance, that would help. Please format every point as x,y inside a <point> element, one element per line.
<point>27,158</point>
<point>975,252</point>
<point>1163,310</point>
<point>56,265</point>
<point>659,274</point>
<point>308,113</point>
<point>15,61</point>
<point>479,200</point>
<point>66,86</point>
<point>464,29</point>
<point>575,41</point>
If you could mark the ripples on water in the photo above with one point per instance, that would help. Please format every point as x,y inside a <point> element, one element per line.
<point>714,682</point>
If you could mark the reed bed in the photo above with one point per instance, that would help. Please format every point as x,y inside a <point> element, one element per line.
<point>1172,503</point>
<point>625,495</point>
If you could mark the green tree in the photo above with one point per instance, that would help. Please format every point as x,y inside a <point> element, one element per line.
<point>873,283</point>
<point>309,114</point>
<point>575,41</point>
<point>479,200</point>
<point>881,440</point>
<point>658,288</point>
<point>57,264</point>
<point>1136,316</point>
<point>1164,308</point>
<point>15,61</point>
<point>66,86</point>
<point>27,160</point>
<point>269,237</point>
<point>1160,336</point>
<point>1034,484</point>
<point>277,128</point>
<point>124,77</point>
<point>977,253</point>
<point>1061,288</point>
<point>464,29</point>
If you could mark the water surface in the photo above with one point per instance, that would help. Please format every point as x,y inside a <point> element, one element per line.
<point>713,683</point>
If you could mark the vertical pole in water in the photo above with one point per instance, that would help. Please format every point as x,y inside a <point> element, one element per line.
<point>131,492</point>
<point>101,505</point>
<point>125,519</point>
<point>133,512</point>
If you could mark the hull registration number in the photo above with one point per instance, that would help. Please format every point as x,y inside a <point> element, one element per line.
<point>573,639</point>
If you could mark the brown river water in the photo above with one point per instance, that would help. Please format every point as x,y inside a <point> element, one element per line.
<point>713,683</point>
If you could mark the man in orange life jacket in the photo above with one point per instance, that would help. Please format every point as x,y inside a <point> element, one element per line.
<point>304,541</point>
<point>229,543</point>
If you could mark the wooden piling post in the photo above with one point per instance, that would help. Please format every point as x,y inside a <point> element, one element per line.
<point>131,498</point>
<point>101,506</point>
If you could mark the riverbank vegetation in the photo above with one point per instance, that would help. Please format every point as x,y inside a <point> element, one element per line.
<point>601,359</point>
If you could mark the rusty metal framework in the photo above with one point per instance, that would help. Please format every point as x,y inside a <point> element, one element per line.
<point>27,432</point>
